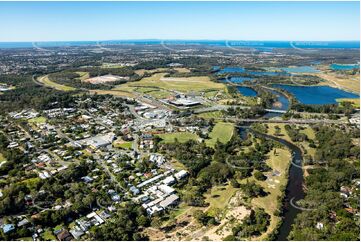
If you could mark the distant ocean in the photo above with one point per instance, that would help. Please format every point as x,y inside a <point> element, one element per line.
<point>228,43</point>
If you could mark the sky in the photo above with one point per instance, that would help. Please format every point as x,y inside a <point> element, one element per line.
<point>75,21</point>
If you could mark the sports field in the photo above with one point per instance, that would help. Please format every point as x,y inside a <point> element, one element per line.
<point>222,132</point>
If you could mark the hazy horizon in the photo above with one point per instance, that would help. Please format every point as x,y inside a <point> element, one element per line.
<point>248,21</point>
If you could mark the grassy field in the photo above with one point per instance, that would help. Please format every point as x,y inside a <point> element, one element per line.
<point>219,196</point>
<point>355,101</point>
<point>346,82</point>
<point>181,69</point>
<point>209,115</point>
<point>155,92</point>
<point>47,82</point>
<point>308,131</point>
<point>180,84</point>
<point>82,75</point>
<point>141,72</point>
<point>2,158</point>
<point>222,132</point>
<point>122,144</point>
<point>37,120</point>
<point>279,161</point>
<point>113,92</point>
<point>181,136</point>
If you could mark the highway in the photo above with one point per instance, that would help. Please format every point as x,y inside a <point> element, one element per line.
<point>225,107</point>
<point>290,121</point>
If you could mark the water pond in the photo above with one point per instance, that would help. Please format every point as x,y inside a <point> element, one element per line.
<point>246,91</point>
<point>316,94</point>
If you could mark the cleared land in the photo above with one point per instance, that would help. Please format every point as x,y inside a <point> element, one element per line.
<point>104,79</point>
<point>224,203</point>
<point>47,82</point>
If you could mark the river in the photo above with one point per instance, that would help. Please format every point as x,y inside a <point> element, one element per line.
<point>294,189</point>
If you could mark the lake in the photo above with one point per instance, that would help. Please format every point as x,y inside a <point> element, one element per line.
<point>227,70</point>
<point>246,91</point>
<point>301,69</point>
<point>267,73</point>
<point>239,79</point>
<point>282,101</point>
<point>344,67</point>
<point>316,94</point>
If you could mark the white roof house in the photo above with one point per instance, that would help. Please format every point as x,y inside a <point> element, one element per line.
<point>181,174</point>
<point>169,180</point>
<point>171,200</point>
<point>166,189</point>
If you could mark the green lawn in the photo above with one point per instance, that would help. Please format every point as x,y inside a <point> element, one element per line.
<point>219,196</point>
<point>38,120</point>
<point>181,136</point>
<point>124,144</point>
<point>209,115</point>
<point>48,235</point>
<point>222,132</point>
